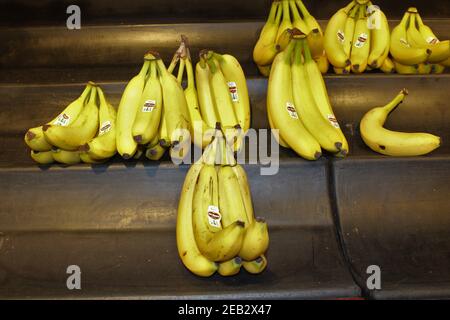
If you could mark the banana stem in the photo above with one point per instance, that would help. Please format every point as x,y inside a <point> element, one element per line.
<point>405,19</point>
<point>190,73</point>
<point>288,51</point>
<point>272,12</point>
<point>279,15</point>
<point>181,70</point>
<point>303,9</point>
<point>307,52</point>
<point>86,92</point>
<point>93,95</point>
<point>173,63</point>
<point>350,7</point>
<point>101,96</point>
<point>354,11</point>
<point>396,101</point>
<point>286,11</point>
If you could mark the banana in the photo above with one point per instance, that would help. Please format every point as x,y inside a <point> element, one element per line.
<point>349,30</point>
<point>406,69</point>
<point>126,113</point>
<point>264,70</point>
<point>256,240</point>
<point>205,95</point>
<point>284,39</point>
<point>181,68</point>
<point>315,36</point>
<point>380,39</point>
<point>230,267</point>
<point>104,145</point>
<point>265,48</point>
<point>361,43</point>
<point>163,135</point>
<point>276,133</point>
<point>440,50</point>
<point>280,106</point>
<point>297,21</point>
<point>320,95</point>
<point>387,66</point>
<point>35,138</point>
<point>42,157</point>
<point>335,38</point>
<point>320,128</point>
<point>446,63</point>
<point>286,22</point>
<point>256,266</point>
<point>187,248</point>
<point>424,68</point>
<point>148,115</point>
<point>345,70</point>
<point>155,152</point>
<point>401,50</point>
<point>82,130</point>
<point>66,157</point>
<point>237,84</point>
<point>437,68</point>
<point>394,143</point>
<point>245,191</point>
<point>322,63</point>
<point>86,158</point>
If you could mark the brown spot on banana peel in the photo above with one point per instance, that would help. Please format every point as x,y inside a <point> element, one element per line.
<point>84,148</point>
<point>240,223</point>
<point>126,156</point>
<point>45,127</point>
<point>347,62</point>
<point>30,135</point>
<point>382,147</point>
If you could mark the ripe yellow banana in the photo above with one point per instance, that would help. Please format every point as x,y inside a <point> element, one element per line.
<point>437,68</point>
<point>230,267</point>
<point>82,130</point>
<point>256,266</point>
<point>349,31</point>
<point>205,94</point>
<point>297,21</point>
<point>187,248</point>
<point>315,36</point>
<point>264,70</point>
<point>244,188</point>
<point>320,128</point>
<point>35,138</point>
<point>401,50</point>
<point>320,95</point>
<point>126,113</point>
<point>380,39</point>
<point>276,133</point>
<point>394,143</point>
<point>345,70</point>
<point>322,63</point>
<point>335,38</point>
<point>256,240</point>
<point>42,157</point>
<point>155,151</point>
<point>237,84</point>
<point>265,48</point>
<point>164,139</point>
<point>387,66</point>
<point>66,157</point>
<point>361,43</point>
<point>283,114</point>
<point>440,50</point>
<point>286,22</point>
<point>149,111</point>
<point>84,157</point>
<point>424,68</point>
<point>104,145</point>
<point>406,69</point>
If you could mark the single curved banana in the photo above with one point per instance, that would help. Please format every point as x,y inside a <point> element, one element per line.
<point>335,38</point>
<point>256,266</point>
<point>393,143</point>
<point>35,137</point>
<point>205,95</point>
<point>284,39</point>
<point>315,35</point>
<point>86,158</point>
<point>380,39</point>
<point>265,49</point>
<point>244,188</point>
<point>42,157</point>
<point>104,145</point>
<point>276,133</point>
<point>286,22</point>
<point>187,248</point>
<point>349,31</point>
<point>297,21</point>
<point>345,70</point>
<point>424,68</point>
<point>256,240</point>
<point>264,70</point>
<point>440,50</point>
<point>155,152</point>
<point>230,267</point>
<point>361,43</point>
<point>237,84</point>
<point>66,157</point>
<point>401,50</point>
<point>387,66</point>
<point>283,114</point>
<point>149,111</point>
<point>82,130</point>
<point>320,128</point>
<point>320,95</point>
<point>322,63</point>
<point>126,113</point>
<point>231,204</point>
<point>406,69</point>
<point>164,139</point>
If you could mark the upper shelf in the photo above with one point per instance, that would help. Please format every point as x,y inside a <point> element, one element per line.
<point>48,12</point>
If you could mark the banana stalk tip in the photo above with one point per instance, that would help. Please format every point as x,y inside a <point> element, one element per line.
<point>45,127</point>
<point>317,155</point>
<point>238,260</point>
<point>405,91</point>
<point>152,55</point>
<point>260,219</point>
<point>138,138</point>
<point>92,83</point>
<point>240,223</point>
<point>126,156</point>
<point>84,148</point>
<point>30,135</point>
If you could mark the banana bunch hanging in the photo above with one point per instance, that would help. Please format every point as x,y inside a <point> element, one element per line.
<point>298,104</point>
<point>216,228</point>
<point>85,131</point>
<point>285,15</point>
<point>357,39</point>
<point>415,49</point>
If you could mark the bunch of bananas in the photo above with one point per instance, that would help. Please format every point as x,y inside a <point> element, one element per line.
<point>393,143</point>
<point>216,229</point>
<point>357,39</point>
<point>415,48</point>
<point>284,16</point>
<point>298,104</point>
<point>84,131</point>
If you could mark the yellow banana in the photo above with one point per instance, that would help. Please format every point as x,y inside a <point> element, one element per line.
<point>322,63</point>
<point>84,157</point>
<point>126,113</point>
<point>245,191</point>
<point>82,130</point>
<point>187,248</point>
<point>345,70</point>
<point>205,95</point>
<point>394,143</point>
<point>164,138</point>
<point>406,69</point>
<point>265,48</point>
<point>42,157</point>
<point>315,36</point>
<point>424,68</point>
<point>66,157</point>
<point>297,21</point>
<point>349,31</point>
<point>437,68</point>
<point>276,133</point>
<point>149,111</point>
<point>35,138</point>
<point>264,70</point>
<point>155,152</point>
<point>256,240</point>
<point>387,66</point>
<point>286,22</point>
<point>256,266</point>
<point>230,267</point>
<point>380,39</point>
<point>280,106</point>
<point>361,43</point>
<point>401,50</point>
